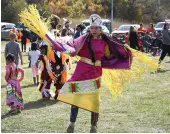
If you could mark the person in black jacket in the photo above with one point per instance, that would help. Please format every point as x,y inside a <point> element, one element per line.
<point>133,38</point>
<point>24,39</point>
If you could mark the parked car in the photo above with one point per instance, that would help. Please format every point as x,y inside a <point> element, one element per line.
<point>104,29</point>
<point>5,29</point>
<point>105,22</point>
<point>159,26</point>
<point>120,33</point>
<point>20,27</point>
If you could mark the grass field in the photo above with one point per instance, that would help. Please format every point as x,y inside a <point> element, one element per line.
<point>143,107</point>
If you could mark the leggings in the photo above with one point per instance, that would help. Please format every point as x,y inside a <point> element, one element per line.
<point>74,112</point>
<point>165,50</point>
<point>23,46</point>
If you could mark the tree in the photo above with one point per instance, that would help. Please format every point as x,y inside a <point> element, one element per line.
<point>11,9</point>
<point>76,9</point>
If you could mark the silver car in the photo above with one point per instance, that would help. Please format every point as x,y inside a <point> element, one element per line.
<point>5,29</point>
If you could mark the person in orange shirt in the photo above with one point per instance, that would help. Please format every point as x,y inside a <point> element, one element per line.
<point>14,30</point>
<point>150,28</point>
<point>141,29</point>
<point>127,38</point>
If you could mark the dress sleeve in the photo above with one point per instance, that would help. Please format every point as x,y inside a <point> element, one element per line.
<point>107,52</point>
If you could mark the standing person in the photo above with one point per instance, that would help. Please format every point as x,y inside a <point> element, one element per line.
<point>14,93</point>
<point>141,28</point>
<point>133,38</point>
<point>146,42</point>
<point>34,55</point>
<point>38,42</point>
<point>79,30</point>
<point>82,89</point>
<point>14,30</point>
<point>64,36</point>
<point>24,40</point>
<point>13,48</point>
<point>166,42</point>
<point>151,28</point>
<point>127,38</point>
<point>67,23</point>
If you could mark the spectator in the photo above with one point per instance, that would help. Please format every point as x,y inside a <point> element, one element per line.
<point>146,42</point>
<point>24,39</point>
<point>133,38</point>
<point>150,29</point>
<point>127,38</point>
<point>79,30</point>
<point>141,29</point>
<point>13,48</point>
<point>67,23</point>
<point>156,45</point>
<point>64,36</point>
<point>14,30</point>
<point>38,42</point>
<point>166,42</point>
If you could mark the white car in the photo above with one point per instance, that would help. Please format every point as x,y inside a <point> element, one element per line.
<point>123,29</point>
<point>159,26</point>
<point>5,29</point>
<point>120,33</point>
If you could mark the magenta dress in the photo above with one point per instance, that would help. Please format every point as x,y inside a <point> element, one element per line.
<point>82,89</point>
<point>85,71</point>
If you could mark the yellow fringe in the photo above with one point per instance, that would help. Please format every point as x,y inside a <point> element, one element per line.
<point>31,18</point>
<point>116,79</point>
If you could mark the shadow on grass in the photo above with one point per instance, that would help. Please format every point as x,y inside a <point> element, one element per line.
<point>167,62</point>
<point>8,114</point>
<point>38,104</point>
<point>26,86</point>
<point>162,71</point>
<point>5,115</point>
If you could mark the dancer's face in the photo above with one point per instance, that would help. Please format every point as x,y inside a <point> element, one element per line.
<point>95,31</point>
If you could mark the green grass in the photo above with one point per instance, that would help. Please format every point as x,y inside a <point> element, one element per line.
<point>143,107</point>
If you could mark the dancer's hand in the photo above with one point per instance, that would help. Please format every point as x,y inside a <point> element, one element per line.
<point>126,45</point>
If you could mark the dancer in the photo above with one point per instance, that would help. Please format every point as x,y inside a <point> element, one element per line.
<point>46,75</point>
<point>14,93</point>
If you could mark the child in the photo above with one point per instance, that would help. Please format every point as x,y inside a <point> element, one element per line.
<point>146,42</point>
<point>156,45</point>
<point>34,54</point>
<point>14,94</point>
<point>46,75</point>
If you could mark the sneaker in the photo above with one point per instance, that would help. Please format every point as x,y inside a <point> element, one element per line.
<point>93,129</point>
<point>11,111</point>
<point>70,128</point>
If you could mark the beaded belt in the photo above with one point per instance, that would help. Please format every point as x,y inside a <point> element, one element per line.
<point>88,61</point>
